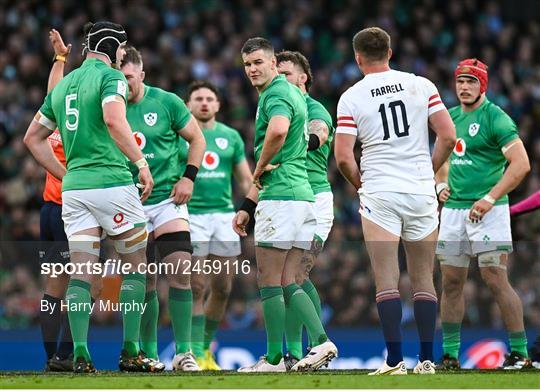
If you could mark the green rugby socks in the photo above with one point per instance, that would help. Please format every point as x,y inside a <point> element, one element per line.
<point>149,321</point>
<point>274,322</point>
<point>451,339</point>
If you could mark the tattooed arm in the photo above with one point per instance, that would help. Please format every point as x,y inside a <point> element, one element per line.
<point>318,134</point>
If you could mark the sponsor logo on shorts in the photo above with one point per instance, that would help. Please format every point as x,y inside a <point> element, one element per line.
<point>119,220</point>
<point>441,244</point>
<point>210,160</point>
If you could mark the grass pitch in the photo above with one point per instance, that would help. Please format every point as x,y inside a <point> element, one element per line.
<point>230,380</point>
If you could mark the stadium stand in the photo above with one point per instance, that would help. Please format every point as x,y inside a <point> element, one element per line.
<point>201,40</point>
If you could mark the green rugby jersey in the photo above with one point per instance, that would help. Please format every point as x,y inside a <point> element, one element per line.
<point>289,181</point>
<point>317,160</point>
<point>212,191</point>
<point>477,162</point>
<point>155,121</point>
<point>75,107</point>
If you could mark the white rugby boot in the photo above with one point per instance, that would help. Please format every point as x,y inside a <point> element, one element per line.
<point>386,370</point>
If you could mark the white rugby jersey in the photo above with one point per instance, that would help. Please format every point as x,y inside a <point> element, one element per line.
<point>388,112</point>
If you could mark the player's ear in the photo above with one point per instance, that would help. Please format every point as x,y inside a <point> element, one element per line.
<point>274,62</point>
<point>358,58</point>
<point>303,78</point>
<point>389,54</point>
<point>142,75</point>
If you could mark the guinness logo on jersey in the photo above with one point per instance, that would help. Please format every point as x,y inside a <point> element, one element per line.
<point>460,147</point>
<point>210,160</point>
<point>473,129</point>
<point>150,119</point>
<point>222,143</point>
<point>140,139</point>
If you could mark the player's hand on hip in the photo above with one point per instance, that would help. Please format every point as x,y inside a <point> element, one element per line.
<point>182,191</point>
<point>240,222</point>
<point>443,191</point>
<point>258,173</point>
<point>479,210</point>
<point>147,182</point>
<point>444,195</point>
<point>58,43</point>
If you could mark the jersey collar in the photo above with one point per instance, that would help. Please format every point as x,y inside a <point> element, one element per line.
<point>92,61</point>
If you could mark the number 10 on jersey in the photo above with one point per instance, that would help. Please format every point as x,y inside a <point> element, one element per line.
<point>400,130</point>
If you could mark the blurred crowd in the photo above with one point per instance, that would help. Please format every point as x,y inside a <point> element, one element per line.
<point>182,41</point>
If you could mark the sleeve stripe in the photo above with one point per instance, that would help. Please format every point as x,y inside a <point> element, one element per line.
<point>346,124</point>
<point>111,98</point>
<point>433,96</point>
<point>437,102</point>
<point>345,118</point>
<point>51,125</point>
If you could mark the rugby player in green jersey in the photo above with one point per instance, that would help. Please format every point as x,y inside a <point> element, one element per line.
<point>159,119</point>
<point>284,219</point>
<point>475,219</point>
<point>211,210</point>
<point>297,70</point>
<point>97,190</point>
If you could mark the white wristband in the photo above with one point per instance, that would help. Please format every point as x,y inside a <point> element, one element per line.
<point>439,187</point>
<point>489,199</point>
<point>141,163</point>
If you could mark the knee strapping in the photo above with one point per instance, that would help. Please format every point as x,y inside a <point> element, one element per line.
<point>132,243</point>
<point>172,242</point>
<point>84,244</point>
<point>493,259</point>
<point>454,260</point>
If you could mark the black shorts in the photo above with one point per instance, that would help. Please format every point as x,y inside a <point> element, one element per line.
<point>54,243</point>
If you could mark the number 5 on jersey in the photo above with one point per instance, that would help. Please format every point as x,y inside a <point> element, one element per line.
<point>71,112</point>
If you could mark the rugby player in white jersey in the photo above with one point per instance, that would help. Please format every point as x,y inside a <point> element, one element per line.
<point>389,112</point>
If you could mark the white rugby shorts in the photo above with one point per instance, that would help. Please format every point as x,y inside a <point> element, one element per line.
<point>212,233</point>
<point>459,236</point>
<point>324,213</point>
<point>284,224</point>
<point>164,212</point>
<point>115,209</point>
<point>409,216</point>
